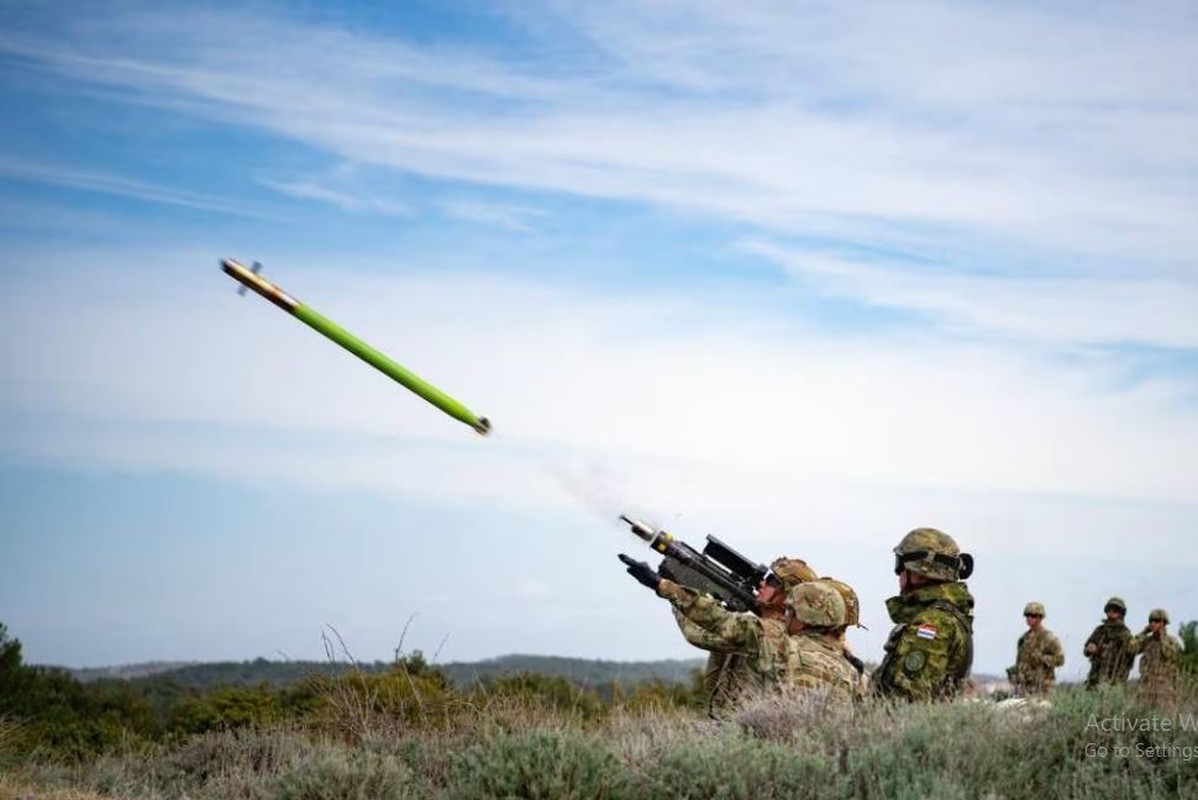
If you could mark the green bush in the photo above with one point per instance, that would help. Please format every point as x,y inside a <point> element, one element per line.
<point>1188,634</point>
<point>344,774</point>
<point>228,708</point>
<point>541,692</point>
<point>537,765</point>
<point>730,768</point>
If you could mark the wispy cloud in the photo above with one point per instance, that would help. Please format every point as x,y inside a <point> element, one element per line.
<point>1048,310</point>
<point>121,186</point>
<point>345,200</point>
<point>864,124</point>
<point>576,371</point>
<point>515,218</point>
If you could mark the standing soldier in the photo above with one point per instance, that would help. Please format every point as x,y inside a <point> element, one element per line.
<point>728,674</point>
<point>930,649</point>
<point>1109,647</point>
<point>1160,661</point>
<point>1037,656</point>
<point>799,652</point>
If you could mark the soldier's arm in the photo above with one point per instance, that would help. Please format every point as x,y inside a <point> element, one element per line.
<point>1054,654</point>
<point>700,637</point>
<point>1126,642</point>
<point>738,632</point>
<point>1093,644</point>
<point>1170,648</point>
<point>922,659</point>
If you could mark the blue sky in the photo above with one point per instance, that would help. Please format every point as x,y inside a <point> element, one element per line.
<point>803,275</point>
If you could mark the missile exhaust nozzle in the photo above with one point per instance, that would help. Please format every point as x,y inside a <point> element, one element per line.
<point>639,528</point>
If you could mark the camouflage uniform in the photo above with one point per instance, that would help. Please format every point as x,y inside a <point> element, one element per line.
<point>930,649</point>
<point>1111,662</point>
<point>1160,663</point>
<point>727,673</point>
<point>1037,658</point>
<point>777,661</point>
<point>852,616</point>
<point>929,652</point>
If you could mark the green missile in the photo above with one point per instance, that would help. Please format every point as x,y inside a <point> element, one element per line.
<point>331,330</point>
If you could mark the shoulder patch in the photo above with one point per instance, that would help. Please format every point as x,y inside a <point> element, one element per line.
<point>914,661</point>
<point>926,631</point>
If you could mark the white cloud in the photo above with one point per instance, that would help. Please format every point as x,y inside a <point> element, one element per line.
<point>1050,311</point>
<point>870,124</point>
<point>683,394</point>
<point>511,217</point>
<point>344,200</point>
<point>121,186</point>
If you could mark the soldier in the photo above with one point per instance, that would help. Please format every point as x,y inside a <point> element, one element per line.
<point>799,652</point>
<point>1109,648</point>
<point>852,616</point>
<point>727,673</point>
<point>1160,660</point>
<point>930,649</point>
<point>1037,655</point>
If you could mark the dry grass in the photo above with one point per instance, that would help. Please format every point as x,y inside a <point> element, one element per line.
<point>15,788</point>
<point>512,746</point>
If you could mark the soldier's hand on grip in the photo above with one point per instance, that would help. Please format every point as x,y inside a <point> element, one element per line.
<point>643,573</point>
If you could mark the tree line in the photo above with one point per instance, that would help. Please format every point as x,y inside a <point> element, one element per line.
<point>48,711</point>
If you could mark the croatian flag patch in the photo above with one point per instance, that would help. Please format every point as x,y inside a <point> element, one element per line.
<point>926,632</point>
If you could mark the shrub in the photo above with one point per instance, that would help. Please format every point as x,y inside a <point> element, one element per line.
<point>538,765</point>
<point>338,773</point>
<point>555,694</point>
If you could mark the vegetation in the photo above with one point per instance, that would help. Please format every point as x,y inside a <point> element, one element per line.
<point>586,672</point>
<point>410,732</point>
<point>1188,633</point>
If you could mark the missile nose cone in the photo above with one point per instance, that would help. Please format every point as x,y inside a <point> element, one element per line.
<point>483,426</point>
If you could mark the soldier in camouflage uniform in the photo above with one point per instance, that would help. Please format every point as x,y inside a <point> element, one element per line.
<point>1109,648</point>
<point>929,652</point>
<point>1160,661</point>
<point>852,617</point>
<point>1037,656</point>
<point>798,653</point>
<point>727,673</point>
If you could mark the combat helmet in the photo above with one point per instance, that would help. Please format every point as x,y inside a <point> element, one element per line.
<point>1033,610</point>
<point>852,605</point>
<point>790,572</point>
<point>1115,603</point>
<point>817,604</point>
<point>1159,614</point>
<point>933,554</point>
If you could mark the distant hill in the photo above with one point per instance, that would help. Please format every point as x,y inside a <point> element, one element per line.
<point>582,671</point>
<point>129,671</point>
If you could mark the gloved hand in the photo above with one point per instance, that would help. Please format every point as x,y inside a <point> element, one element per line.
<point>641,571</point>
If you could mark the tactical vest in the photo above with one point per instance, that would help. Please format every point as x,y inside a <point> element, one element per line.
<point>955,680</point>
<point>952,682</point>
